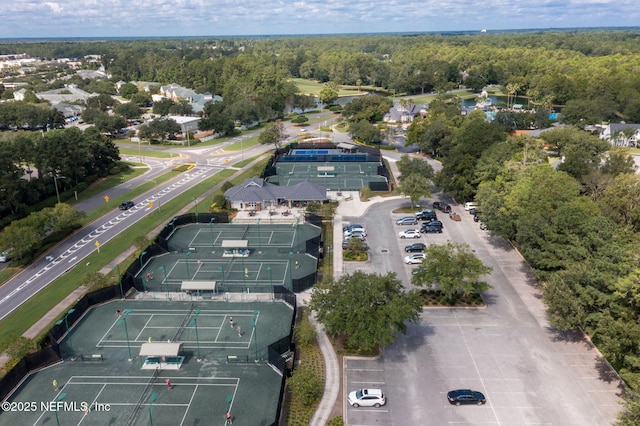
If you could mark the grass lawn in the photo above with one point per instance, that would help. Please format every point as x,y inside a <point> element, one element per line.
<point>146,153</point>
<point>312,87</point>
<point>244,144</point>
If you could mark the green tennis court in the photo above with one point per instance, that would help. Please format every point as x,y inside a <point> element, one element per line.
<point>112,388</point>
<point>228,257</point>
<point>345,176</point>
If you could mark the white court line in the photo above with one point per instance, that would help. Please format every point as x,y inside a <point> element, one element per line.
<point>102,339</point>
<point>92,402</point>
<point>189,405</point>
<point>223,323</point>
<point>145,326</point>
<point>195,237</point>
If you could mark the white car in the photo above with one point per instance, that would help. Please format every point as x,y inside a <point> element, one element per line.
<point>470,205</point>
<point>367,398</point>
<point>415,258</point>
<point>409,233</point>
<point>3,257</point>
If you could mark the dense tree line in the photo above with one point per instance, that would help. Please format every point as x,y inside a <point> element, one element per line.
<point>23,115</point>
<point>29,161</point>
<point>592,73</point>
<point>575,223</point>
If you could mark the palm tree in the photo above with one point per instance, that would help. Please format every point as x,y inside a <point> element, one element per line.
<point>512,90</point>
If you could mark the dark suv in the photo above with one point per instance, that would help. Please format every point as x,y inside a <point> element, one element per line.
<point>435,226</point>
<point>415,247</point>
<point>426,215</point>
<point>443,207</point>
<point>433,222</point>
<point>126,205</point>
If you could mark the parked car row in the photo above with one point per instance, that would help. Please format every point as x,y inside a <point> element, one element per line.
<point>353,232</point>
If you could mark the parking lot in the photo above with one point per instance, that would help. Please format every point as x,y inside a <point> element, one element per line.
<point>529,374</point>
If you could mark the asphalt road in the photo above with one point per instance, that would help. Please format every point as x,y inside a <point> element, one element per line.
<point>71,252</point>
<point>529,373</point>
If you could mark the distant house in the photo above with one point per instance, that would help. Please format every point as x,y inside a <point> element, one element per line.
<point>98,74</point>
<point>405,113</point>
<point>71,112</point>
<point>187,124</point>
<point>258,194</point>
<point>178,93</point>
<point>621,134</point>
<point>67,94</point>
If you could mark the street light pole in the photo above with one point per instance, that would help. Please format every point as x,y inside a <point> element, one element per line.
<point>140,258</point>
<point>66,326</point>
<point>55,183</point>
<point>270,276</point>
<point>117,267</point>
<point>211,229</point>
<point>62,396</point>
<point>187,262</point>
<point>194,321</point>
<point>123,320</point>
<point>195,201</point>
<point>142,278</point>
<point>298,234</point>
<point>165,282</point>
<point>259,237</point>
<point>290,276</point>
<point>244,273</point>
<point>152,399</point>
<point>221,269</point>
<point>254,323</point>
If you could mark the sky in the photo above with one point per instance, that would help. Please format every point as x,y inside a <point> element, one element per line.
<point>154,18</point>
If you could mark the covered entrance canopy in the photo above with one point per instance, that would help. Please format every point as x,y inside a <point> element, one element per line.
<point>198,285</point>
<point>235,243</point>
<point>161,349</point>
<point>235,248</point>
<point>161,355</point>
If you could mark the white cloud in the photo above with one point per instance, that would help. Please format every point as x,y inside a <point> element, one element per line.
<point>233,17</point>
<point>55,7</point>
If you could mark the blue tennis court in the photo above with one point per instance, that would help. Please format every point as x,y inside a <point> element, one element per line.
<point>310,152</point>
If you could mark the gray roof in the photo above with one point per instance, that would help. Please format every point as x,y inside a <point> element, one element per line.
<point>65,95</point>
<point>618,127</point>
<point>69,109</point>
<point>196,100</point>
<point>257,190</point>
<point>398,112</point>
